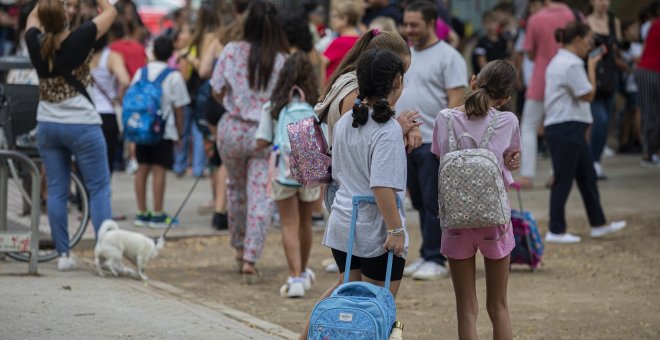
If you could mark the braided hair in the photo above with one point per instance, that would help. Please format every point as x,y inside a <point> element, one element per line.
<point>376,71</point>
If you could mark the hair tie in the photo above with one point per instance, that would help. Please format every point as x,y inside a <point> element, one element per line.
<point>358,101</point>
<point>376,31</point>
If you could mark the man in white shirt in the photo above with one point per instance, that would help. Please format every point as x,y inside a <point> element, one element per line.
<point>435,80</point>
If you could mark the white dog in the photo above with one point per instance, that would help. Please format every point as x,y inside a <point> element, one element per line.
<point>114,244</point>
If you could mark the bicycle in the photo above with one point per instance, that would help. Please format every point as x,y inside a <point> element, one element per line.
<point>18,107</point>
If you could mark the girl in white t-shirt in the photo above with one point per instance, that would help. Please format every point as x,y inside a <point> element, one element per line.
<point>568,91</point>
<point>369,158</point>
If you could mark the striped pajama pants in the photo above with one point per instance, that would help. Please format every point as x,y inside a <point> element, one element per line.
<point>648,82</point>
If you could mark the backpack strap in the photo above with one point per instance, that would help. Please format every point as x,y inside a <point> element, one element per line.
<point>452,137</point>
<point>161,77</point>
<point>490,129</point>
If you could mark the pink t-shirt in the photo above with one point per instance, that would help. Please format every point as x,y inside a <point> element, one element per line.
<point>336,52</point>
<point>505,137</point>
<point>540,40</point>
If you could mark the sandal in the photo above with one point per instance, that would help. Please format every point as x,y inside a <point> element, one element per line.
<point>249,278</point>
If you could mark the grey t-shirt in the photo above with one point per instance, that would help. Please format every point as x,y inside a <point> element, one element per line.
<point>432,72</point>
<point>370,156</point>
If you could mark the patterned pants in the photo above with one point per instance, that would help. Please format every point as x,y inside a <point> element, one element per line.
<point>649,88</point>
<point>248,206</point>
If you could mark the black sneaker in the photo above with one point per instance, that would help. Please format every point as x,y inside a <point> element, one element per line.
<point>219,221</point>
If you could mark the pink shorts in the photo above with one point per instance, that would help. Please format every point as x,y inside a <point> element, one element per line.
<point>494,242</point>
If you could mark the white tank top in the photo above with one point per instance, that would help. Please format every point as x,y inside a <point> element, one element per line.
<point>105,85</point>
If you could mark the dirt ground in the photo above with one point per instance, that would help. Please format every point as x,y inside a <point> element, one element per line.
<point>598,289</point>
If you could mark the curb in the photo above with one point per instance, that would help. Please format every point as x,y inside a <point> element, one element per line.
<point>245,318</point>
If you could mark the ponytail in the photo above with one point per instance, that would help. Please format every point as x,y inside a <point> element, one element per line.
<point>48,49</point>
<point>382,112</point>
<point>477,102</point>
<point>360,112</point>
<point>494,82</point>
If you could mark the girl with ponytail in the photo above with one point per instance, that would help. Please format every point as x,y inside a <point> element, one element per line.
<point>67,121</point>
<point>369,158</point>
<point>492,87</point>
<point>243,80</point>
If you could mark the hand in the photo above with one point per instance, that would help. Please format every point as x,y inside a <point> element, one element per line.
<point>395,243</point>
<point>512,159</point>
<point>408,121</point>
<point>178,145</point>
<point>413,139</point>
<point>593,61</point>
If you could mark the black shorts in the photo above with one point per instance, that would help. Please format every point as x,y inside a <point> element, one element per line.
<point>158,154</point>
<point>374,268</point>
<point>215,160</point>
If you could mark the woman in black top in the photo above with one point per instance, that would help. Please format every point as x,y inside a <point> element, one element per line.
<point>67,122</point>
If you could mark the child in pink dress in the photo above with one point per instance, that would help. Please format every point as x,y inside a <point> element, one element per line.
<point>492,88</point>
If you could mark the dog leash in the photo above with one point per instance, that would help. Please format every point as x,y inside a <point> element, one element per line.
<point>183,204</point>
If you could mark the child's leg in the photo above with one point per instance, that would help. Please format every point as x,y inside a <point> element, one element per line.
<point>158,186</point>
<point>220,187</point>
<point>291,242</point>
<point>497,279</point>
<point>141,186</point>
<point>305,210</point>
<point>467,306</point>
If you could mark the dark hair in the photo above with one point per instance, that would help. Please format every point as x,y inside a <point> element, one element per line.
<point>207,21</point>
<point>574,29</point>
<point>163,48</point>
<point>52,16</point>
<point>495,81</point>
<point>390,41</point>
<point>503,7</point>
<point>264,32</point>
<point>240,6</point>
<point>488,15</point>
<point>297,71</point>
<point>297,30</point>
<point>117,30</point>
<point>376,71</point>
<point>428,10</point>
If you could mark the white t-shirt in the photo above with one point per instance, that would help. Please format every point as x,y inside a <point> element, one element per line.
<point>370,156</point>
<point>565,81</point>
<point>175,95</point>
<point>635,51</point>
<point>432,72</point>
<point>527,64</point>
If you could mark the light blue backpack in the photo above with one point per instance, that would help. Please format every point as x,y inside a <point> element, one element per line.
<point>355,310</point>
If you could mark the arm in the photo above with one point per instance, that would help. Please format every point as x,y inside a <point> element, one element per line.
<point>455,97</point>
<point>178,116</point>
<point>347,103</point>
<point>105,18</point>
<point>209,55</point>
<point>117,68</point>
<point>591,72</point>
<point>386,201</point>
<point>33,19</point>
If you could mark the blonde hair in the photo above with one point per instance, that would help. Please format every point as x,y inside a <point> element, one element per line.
<point>348,10</point>
<point>384,24</point>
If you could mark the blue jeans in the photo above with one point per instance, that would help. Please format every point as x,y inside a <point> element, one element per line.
<point>601,110</point>
<point>57,144</point>
<point>192,134</point>
<point>423,188</point>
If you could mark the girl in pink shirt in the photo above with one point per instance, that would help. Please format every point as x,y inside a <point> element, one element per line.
<point>492,88</point>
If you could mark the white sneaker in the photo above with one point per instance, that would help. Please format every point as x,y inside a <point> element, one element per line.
<point>613,227</point>
<point>429,271</point>
<point>131,166</point>
<point>412,268</point>
<point>309,277</point>
<point>562,238</point>
<point>293,288</point>
<point>66,263</point>
<point>330,266</point>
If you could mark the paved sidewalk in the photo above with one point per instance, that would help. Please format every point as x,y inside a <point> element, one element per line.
<point>81,305</point>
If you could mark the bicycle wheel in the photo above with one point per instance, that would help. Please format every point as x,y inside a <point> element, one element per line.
<point>18,216</point>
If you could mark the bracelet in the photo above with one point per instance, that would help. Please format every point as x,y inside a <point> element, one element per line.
<point>396,231</point>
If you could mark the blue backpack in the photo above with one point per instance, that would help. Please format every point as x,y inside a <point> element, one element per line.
<point>355,310</point>
<point>142,116</point>
<point>296,110</point>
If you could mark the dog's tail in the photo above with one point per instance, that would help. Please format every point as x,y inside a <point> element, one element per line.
<point>107,226</point>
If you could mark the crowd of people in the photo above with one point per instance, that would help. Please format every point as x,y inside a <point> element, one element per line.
<point>388,80</point>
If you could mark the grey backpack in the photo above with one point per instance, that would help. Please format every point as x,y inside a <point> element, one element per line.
<point>471,192</point>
